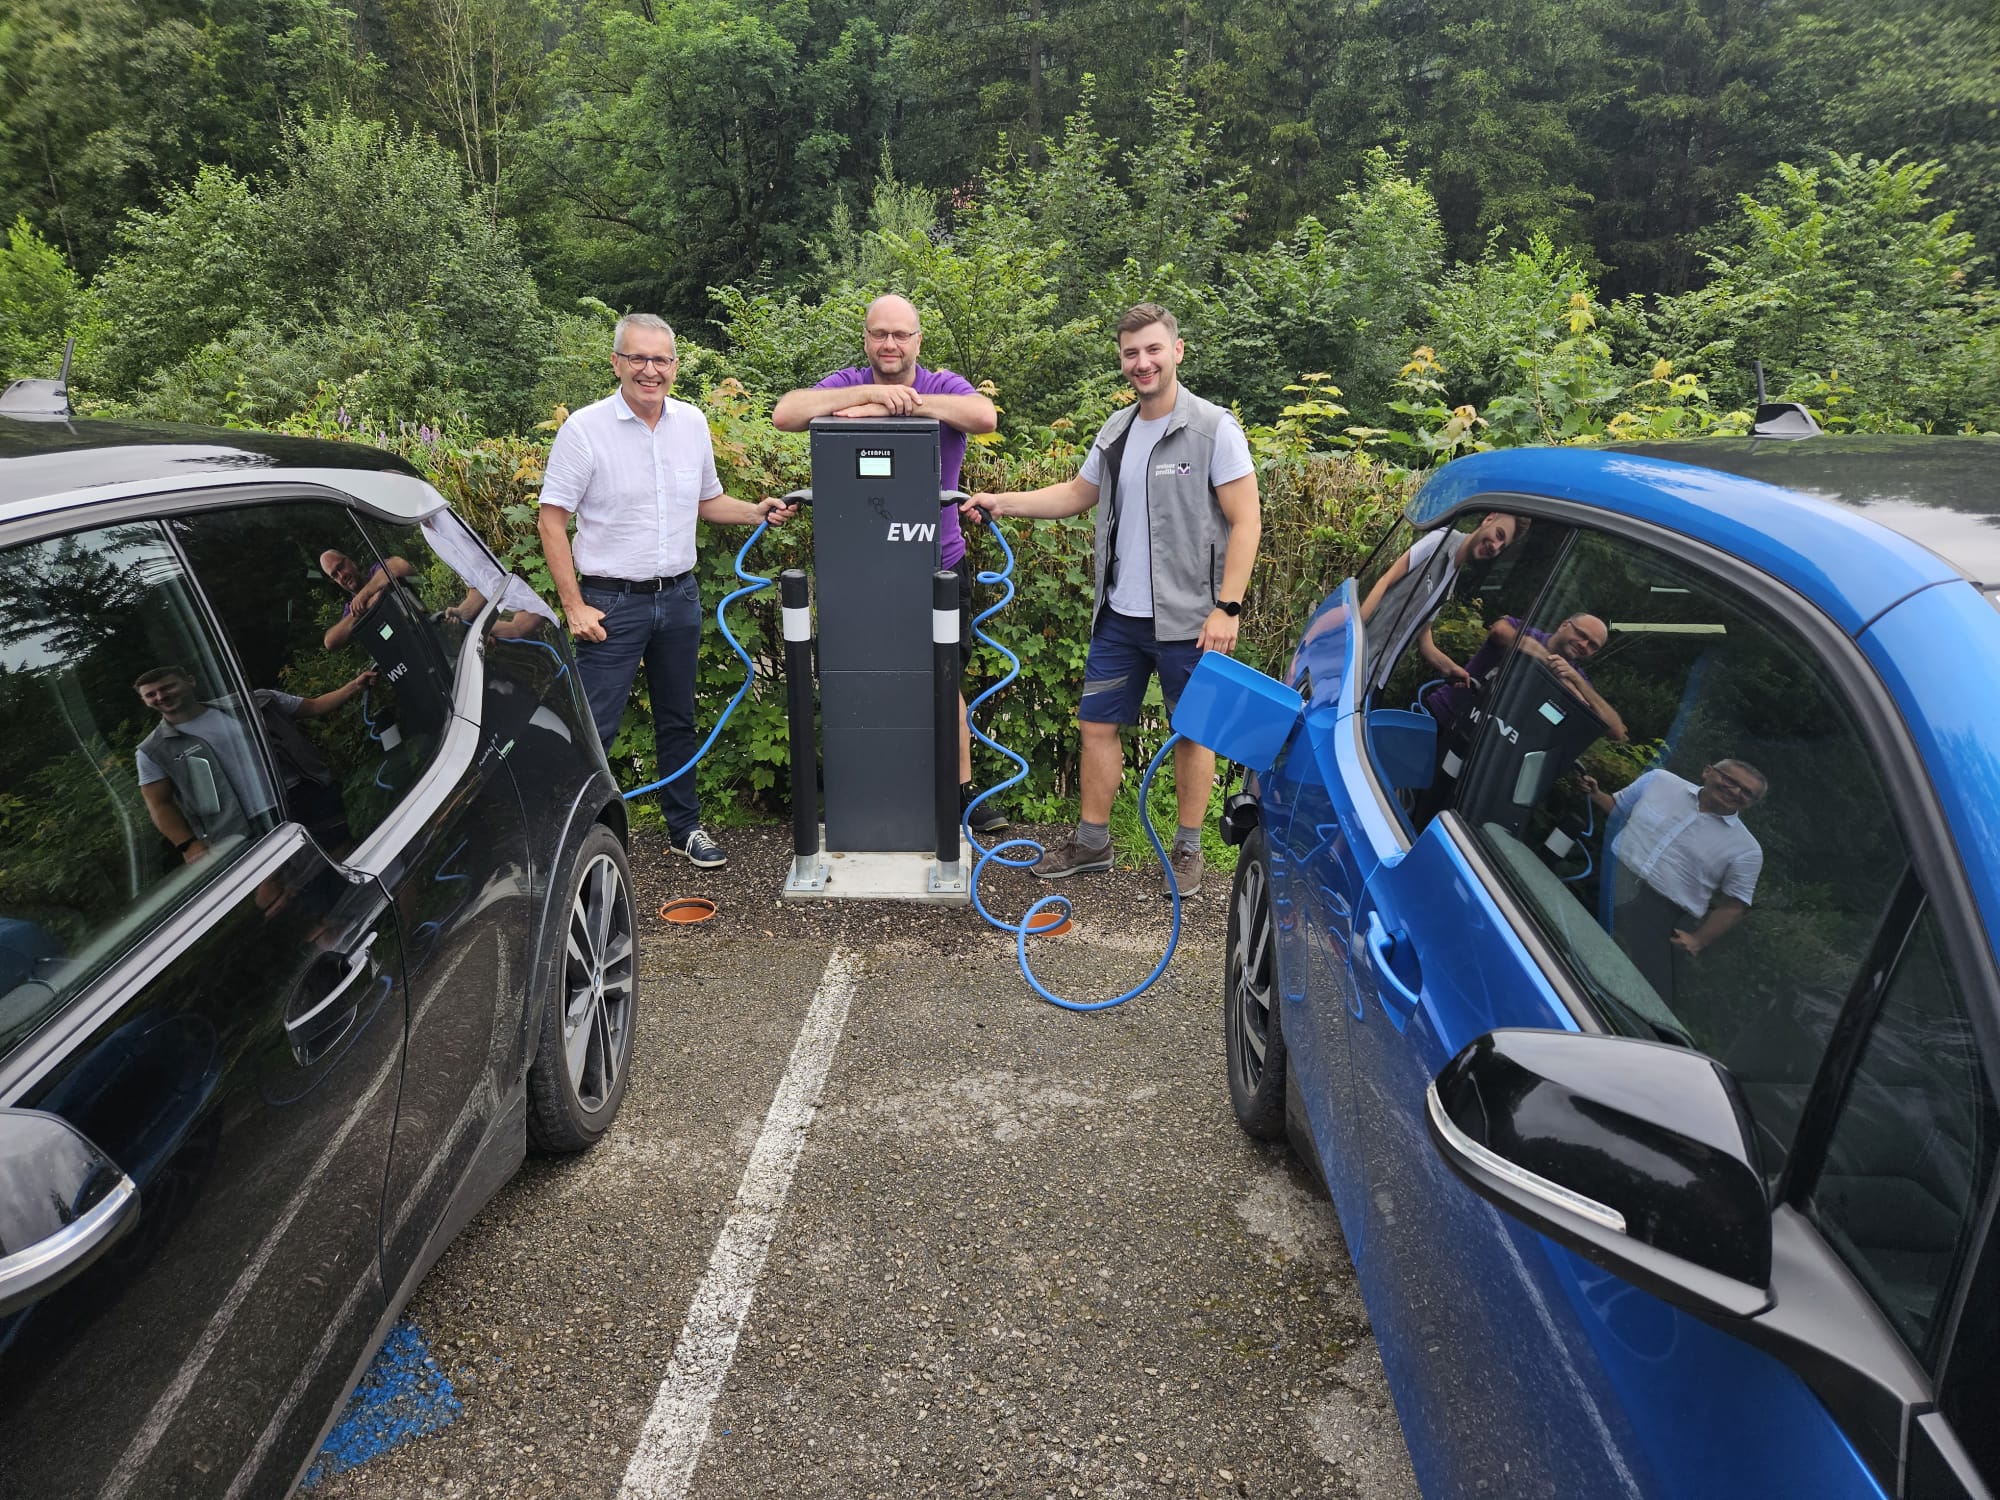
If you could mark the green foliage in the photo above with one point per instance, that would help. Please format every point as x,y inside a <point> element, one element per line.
<point>184,276</point>
<point>1843,267</point>
<point>38,295</point>
<point>715,131</point>
<point>366,262</point>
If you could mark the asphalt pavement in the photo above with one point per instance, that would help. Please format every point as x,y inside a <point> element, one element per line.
<point>1005,1249</point>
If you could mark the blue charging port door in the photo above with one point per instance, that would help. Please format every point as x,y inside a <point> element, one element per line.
<point>1236,711</point>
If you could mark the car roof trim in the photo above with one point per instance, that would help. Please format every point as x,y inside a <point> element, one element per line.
<point>394,497</point>
<point>1849,566</point>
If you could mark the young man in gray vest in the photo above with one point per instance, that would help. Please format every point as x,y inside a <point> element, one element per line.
<point>1177,531</point>
<point>199,772</point>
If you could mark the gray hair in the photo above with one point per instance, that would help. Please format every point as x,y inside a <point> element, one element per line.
<point>653,321</point>
<point>1732,764</point>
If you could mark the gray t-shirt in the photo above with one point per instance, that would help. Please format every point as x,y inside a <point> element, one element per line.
<point>1408,606</point>
<point>225,734</point>
<point>1132,589</point>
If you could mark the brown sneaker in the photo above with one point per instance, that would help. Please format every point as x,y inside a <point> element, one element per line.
<point>1188,866</point>
<point>1071,858</point>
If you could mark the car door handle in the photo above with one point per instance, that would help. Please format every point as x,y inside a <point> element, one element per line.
<point>357,961</point>
<point>1399,1001</point>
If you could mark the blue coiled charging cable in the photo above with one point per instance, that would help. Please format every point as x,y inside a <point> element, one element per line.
<point>751,583</point>
<point>998,853</point>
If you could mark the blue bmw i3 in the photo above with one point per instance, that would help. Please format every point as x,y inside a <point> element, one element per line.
<point>1615,933</point>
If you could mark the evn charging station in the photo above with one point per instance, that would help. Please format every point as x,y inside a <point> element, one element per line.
<point>888,687</point>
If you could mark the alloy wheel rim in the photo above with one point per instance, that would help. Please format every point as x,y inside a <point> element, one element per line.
<point>598,972</point>
<point>1250,975</point>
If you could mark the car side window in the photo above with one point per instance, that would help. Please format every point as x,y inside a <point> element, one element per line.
<point>131,772</point>
<point>1653,771</point>
<point>1426,622</point>
<point>1912,1149</point>
<point>344,654</point>
<point>453,577</point>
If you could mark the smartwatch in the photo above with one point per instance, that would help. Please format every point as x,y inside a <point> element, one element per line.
<point>1231,607</point>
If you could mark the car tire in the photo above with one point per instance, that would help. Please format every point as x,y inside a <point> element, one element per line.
<point>1253,1037</point>
<point>578,1077</point>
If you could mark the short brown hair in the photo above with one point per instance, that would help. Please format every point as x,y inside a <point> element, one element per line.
<point>160,674</point>
<point>1145,315</point>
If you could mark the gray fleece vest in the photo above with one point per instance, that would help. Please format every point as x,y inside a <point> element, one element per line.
<point>1187,530</point>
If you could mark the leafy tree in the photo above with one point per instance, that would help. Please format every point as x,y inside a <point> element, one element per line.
<point>975,72</point>
<point>184,275</point>
<point>473,71</point>
<point>367,241</point>
<point>107,104</point>
<point>38,293</point>
<point>1922,76</point>
<point>703,142</point>
<point>1683,128</point>
<point>94,114</point>
<point>1344,297</point>
<point>1843,267</point>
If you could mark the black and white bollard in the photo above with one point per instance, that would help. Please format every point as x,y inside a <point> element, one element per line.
<point>948,874</point>
<point>794,598</point>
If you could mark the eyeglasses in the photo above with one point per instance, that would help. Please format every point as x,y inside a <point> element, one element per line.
<point>1727,783</point>
<point>647,361</point>
<point>885,336</point>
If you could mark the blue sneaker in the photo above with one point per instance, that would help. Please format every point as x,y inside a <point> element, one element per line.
<point>701,850</point>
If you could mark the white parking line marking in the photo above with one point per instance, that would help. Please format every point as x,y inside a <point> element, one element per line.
<point>663,1464</point>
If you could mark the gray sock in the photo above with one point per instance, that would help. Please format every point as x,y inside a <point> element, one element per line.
<point>1187,838</point>
<point>1093,835</point>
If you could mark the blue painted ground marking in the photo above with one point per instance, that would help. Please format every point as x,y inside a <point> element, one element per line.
<point>404,1395</point>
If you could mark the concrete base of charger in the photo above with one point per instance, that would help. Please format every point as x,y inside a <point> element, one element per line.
<point>885,875</point>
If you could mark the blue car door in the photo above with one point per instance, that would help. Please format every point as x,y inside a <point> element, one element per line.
<point>1310,909</point>
<point>1518,1368</point>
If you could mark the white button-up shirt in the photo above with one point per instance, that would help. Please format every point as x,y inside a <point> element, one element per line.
<point>634,489</point>
<point>1685,854</point>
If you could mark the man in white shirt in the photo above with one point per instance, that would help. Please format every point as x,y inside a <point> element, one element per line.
<point>1177,537</point>
<point>636,470</point>
<point>1686,867</point>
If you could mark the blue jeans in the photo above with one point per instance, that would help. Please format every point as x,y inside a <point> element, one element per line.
<point>664,630</point>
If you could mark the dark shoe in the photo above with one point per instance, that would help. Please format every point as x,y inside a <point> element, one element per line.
<point>1071,858</point>
<point>1188,867</point>
<point>701,849</point>
<point>987,817</point>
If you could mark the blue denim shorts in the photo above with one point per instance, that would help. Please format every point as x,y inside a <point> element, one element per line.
<point>1123,656</point>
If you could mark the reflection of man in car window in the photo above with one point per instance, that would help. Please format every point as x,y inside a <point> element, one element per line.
<point>1687,868</point>
<point>1404,598</point>
<point>1565,650</point>
<point>198,769</point>
<point>362,590</point>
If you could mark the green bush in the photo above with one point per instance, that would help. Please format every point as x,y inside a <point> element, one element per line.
<point>38,297</point>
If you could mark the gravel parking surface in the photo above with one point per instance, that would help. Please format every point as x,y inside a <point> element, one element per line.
<point>1024,1252</point>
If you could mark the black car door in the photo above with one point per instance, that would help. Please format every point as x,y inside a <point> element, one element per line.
<point>189,980</point>
<point>430,803</point>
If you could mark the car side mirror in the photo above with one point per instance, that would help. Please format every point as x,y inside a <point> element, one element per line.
<point>62,1204</point>
<point>1638,1156</point>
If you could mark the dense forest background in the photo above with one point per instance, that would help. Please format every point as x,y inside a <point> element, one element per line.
<point>231,200</point>
<point>1394,230</point>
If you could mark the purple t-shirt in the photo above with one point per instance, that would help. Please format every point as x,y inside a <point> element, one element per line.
<point>951,444</point>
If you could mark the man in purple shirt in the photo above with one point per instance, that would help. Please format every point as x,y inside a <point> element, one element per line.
<point>893,384</point>
<point>1565,649</point>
